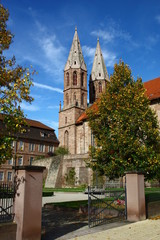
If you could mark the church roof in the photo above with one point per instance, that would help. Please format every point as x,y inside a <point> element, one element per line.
<point>153,88</point>
<point>99,70</point>
<point>83,116</point>
<point>75,58</point>
<point>152,91</point>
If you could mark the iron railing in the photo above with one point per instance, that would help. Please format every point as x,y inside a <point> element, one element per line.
<point>105,205</point>
<point>7,194</point>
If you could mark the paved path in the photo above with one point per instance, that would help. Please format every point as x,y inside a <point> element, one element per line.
<point>64,197</point>
<point>143,230</point>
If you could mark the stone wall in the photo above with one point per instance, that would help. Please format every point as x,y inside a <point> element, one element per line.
<point>57,168</point>
<point>53,165</point>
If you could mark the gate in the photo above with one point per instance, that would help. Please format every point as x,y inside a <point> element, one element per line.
<point>7,194</point>
<point>106,205</point>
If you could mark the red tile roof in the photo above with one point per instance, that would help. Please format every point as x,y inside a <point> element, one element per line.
<point>33,123</point>
<point>83,116</point>
<point>152,90</point>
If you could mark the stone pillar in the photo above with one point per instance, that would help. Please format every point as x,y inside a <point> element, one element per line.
<point>136,210</point>
<point>28,202</point>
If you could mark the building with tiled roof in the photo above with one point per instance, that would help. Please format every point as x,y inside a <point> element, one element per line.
<point>74,130</point>
<point>37,141</point>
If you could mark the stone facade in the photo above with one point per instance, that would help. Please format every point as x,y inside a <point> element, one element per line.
<point>75,136</point>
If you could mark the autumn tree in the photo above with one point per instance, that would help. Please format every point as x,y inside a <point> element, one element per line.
<point>125,128</point>
<point>15,83</point>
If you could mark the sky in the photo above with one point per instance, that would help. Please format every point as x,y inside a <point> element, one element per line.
<point>43,33</point>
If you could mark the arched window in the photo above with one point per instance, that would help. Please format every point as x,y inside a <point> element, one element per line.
<point>66,139</point>
<point>67,99</point>
<point>100,87</point>
<point>74,78</point>
<point>67,78</point>
<point>82,99</point>
<point>74,97</point>
<point>82,79</point>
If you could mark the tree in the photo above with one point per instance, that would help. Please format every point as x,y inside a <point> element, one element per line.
<point>125,128</point>
<point>15,83</point>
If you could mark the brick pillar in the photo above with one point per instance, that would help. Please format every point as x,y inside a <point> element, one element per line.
<point>135,196</point>
<point>28,202</point>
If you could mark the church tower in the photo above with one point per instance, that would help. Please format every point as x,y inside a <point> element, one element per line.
<point>99,76</point>
<point>75,95</point>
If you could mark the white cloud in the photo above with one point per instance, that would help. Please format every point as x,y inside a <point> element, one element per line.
<point>107,36</point>
<point>112,33</point>
<point>158,18</point>
<point>109,57</point>
<point>31,107</point>
<point>52,53</point>
<point>43,86</point>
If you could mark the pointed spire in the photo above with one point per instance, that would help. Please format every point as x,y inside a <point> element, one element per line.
<point>99,70</point>
<point>75,58</point>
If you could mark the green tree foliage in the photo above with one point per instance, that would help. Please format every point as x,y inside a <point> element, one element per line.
<point>125,128</point>
<point>15,83</point>
<point>61,151</point>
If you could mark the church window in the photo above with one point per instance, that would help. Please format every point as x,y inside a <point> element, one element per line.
<point>66,139</point>
<point>82,79</point>
<point>67,78</point>
<point>82,99</point>
<point>65,120</point>
<point>74,97</point>
<point>100,87</point>
<point>75,78</point>
<point>74,62</point>
<point>99,74</point>
<point>67,99</point>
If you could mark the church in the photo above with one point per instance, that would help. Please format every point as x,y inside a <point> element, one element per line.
<point>74,132</point>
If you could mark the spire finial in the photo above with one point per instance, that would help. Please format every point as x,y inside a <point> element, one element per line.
<point>97,39</point>
<point>75,28</point>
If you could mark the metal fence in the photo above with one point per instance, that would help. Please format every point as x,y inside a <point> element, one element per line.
<point>7,194</point>
<point>105,205</point>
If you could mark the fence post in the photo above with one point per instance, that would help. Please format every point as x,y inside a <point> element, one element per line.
<point>28,202</point>
<point>135,196</point>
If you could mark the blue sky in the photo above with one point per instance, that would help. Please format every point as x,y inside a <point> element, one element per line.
<point>44,31</point>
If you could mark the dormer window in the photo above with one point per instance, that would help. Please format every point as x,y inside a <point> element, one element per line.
<point>99,74</point>
<point>42,134</point>
<point>74,62</point>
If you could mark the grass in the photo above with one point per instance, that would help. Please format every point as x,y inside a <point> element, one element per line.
<point>76,189</point>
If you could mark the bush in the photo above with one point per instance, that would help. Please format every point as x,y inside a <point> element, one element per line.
<point>61,151</point>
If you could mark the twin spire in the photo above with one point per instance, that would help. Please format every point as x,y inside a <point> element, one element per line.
<point>99,70</point>
<point>76,60</point>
